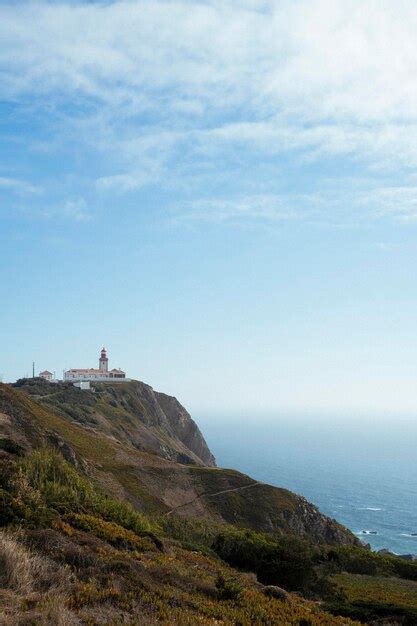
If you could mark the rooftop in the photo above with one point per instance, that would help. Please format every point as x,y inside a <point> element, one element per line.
<point>90,370</point>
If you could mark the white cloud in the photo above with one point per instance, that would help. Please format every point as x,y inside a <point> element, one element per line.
<point>144,156</point>
<point>75,209</point>
<point>256,207</point>
<point>18,186</point>
<point>327,208</point>
<point>384,246</point>
<point>399,203</point>
<point>160,88</point>
<point>338,205</point>
<point>122,182</point>
<point>333,59</point>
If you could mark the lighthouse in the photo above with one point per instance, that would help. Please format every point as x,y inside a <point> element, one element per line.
<point>102,374</point>
<point>103,363</point>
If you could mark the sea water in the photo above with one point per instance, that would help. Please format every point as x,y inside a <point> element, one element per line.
<point>361,471</point>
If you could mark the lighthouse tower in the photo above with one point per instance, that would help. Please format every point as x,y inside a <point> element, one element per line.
<point>103,363</point>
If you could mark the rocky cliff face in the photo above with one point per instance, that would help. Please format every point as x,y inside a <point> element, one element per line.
<point>184,427</point>
<point>132,412</point>
<point>128,439</point>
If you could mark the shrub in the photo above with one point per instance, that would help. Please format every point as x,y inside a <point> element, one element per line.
<point>43,486</point>
<point>228,588</point>
<point>109,531</point>
<point>287,562</point>
<point>357,560</point>
<point>10,446</point>
<point>124,514</point>
<point>403,568</point>
<point>7,514</point>
<point>53,611</point>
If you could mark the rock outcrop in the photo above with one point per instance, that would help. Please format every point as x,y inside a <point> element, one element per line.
<point>185,428</point>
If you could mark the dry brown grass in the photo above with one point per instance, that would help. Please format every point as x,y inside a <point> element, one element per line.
<point>23,571</point>
<point>32,588</point>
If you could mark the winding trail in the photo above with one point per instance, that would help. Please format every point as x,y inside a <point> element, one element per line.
<point>211,495</point>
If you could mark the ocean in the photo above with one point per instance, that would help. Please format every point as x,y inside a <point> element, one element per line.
<point>359,470</point>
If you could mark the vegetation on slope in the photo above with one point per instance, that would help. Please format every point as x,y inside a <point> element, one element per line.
<point>155,485</point>
<point>170,568</point>
<point>132,412</point>
<point>376,597</point>
<point>81,557</point>
<point>111,561</point>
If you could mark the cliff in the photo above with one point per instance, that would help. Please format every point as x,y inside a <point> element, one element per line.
<point>100,525</point>
<point>185,428</point>
<point>131,412</point>
<point>143,446</point>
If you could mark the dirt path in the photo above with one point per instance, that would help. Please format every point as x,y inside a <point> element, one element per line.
<point>211,495</point>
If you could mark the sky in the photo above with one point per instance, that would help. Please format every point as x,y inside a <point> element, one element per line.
<point>222,193</point>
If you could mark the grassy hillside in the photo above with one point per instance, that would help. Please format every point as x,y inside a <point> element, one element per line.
<point>95,531</point>
<point>156,485</point>
<point>81,557</point>
<point>378,596</point>
<point>70,554</point>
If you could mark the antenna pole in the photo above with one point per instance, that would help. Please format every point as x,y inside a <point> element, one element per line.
<point>33,369</point>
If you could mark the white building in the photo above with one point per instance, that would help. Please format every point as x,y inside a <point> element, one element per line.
<point>46,375</point>
<point>83,384</point>
<point>102,374</point>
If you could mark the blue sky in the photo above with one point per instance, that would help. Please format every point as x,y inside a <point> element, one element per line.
<point>222,193</point>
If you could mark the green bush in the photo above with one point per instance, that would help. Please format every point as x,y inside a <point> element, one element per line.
<point>403,568</point>
<point>193,533</point>
<point>228,588</point>
<point>356,560</point>
<point>111,532</point>
<point>7,512</point>
<point>43,486</point>
<point>287,562</point>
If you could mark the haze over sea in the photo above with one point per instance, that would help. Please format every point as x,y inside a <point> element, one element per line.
<point>361,471</point>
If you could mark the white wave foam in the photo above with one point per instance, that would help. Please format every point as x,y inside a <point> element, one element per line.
<point>370,508</point>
